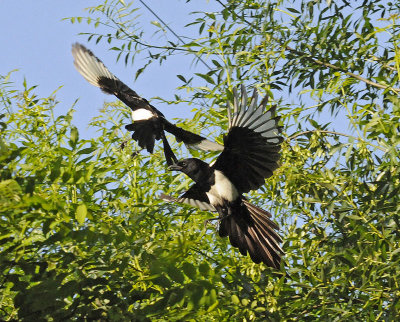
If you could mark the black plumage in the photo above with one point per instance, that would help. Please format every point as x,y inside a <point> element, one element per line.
<point>148,122</point>
<point>251,153</point>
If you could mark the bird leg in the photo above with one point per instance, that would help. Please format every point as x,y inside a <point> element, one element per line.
<point>207,221</point>
<point>123,144</point>
<point>223,214</point>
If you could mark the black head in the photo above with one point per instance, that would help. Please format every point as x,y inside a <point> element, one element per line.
<point>192,167</point>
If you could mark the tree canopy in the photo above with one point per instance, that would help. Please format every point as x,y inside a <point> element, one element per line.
<point>84,236</point>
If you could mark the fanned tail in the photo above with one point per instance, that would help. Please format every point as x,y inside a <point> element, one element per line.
<point>252,231</point>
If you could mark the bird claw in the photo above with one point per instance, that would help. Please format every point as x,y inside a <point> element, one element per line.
<point>219,218</point>
<point>123,146</point>
<point>207,221</point>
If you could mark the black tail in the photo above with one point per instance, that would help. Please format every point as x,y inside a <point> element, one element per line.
<point>252,231</point>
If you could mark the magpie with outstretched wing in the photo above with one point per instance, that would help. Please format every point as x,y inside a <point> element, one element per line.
<point>251,154</point>
<point>148,122</point>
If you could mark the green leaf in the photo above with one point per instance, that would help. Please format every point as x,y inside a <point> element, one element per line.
<point>235,299</point>
<point>80,214</point>
<point>175,274</point>
<point>181,78</point>
<point>206,77</point>
<point>156,23</point>
<point>189,270</point>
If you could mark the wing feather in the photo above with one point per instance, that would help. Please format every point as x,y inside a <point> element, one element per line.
<point>252,144</point>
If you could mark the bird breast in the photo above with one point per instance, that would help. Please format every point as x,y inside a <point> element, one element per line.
<point>222,190</point>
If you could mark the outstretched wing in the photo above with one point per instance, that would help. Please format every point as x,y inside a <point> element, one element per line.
<point>251,147</point>
<point>194,197</point>
<point>97,74</point>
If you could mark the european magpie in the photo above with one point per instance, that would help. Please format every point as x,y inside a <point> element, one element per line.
<point>148,122</point>
<point>251,153</point>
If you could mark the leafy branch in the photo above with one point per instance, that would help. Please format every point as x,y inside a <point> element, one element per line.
<point>335,133</point>
<point>336,68</point>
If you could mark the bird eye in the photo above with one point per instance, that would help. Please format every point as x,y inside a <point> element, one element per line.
<point>183,164</point>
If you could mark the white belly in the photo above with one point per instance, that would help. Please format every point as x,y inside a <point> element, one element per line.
<point>141,114</point>
<point>223,189</point>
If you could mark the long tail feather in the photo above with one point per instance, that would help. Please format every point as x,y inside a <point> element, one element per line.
<point>168,153</point>
<point>250,229</point>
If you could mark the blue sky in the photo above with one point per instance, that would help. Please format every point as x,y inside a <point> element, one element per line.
<point>37,42</point>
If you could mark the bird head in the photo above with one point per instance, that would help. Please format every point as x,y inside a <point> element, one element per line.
<point>192,167</point>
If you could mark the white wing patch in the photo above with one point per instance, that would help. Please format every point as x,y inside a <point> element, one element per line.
<point>141,114</point>
<point>192,202</point>
<point>206,145</point>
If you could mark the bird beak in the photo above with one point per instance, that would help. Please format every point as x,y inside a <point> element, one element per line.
<point>175,167</point>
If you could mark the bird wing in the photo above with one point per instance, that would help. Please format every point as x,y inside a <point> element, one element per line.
<point>194,197</point>
<point>191,140</point>
<point>251,147</point>
<point>97,74</point>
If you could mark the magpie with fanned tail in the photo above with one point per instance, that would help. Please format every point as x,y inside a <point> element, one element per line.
<point>251,154</point>
<point>148,122</point>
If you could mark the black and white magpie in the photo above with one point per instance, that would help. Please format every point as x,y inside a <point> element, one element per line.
<point>251,153</point>
<point>148,122</point>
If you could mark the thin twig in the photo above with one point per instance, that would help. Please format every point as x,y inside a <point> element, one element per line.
<point>319,131</point>
<point>334,67</point>
<point>173,32</point>
<point>335,133</point>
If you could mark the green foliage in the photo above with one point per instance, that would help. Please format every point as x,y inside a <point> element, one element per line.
<point>83,235</point>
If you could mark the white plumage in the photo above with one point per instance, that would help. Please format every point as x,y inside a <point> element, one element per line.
<point>223,189</point>
<point>141,114</point>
